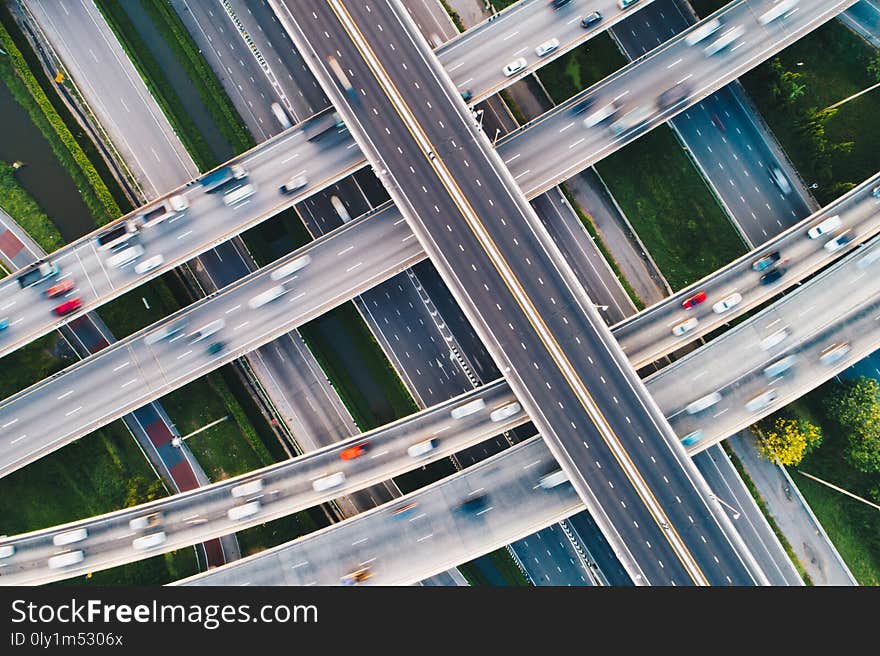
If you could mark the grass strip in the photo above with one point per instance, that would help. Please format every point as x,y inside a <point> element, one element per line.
<point>759,501</point>
<point>25,88</point>
<point>19,204</point>
<point>853,527</point>
<point>587,222</point>
<point>104,471</point>
<point>835,150</point>
<point>159,86</point>
<point>453,15</point>
<point>671,208</point>
<point>200,72</point>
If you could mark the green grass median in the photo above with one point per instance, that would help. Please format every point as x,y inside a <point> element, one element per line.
<point>23,83</point>
<point>99,473</point>
<point>16,202</point>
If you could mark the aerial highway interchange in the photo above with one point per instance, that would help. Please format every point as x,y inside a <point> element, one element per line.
<point>504,271</point>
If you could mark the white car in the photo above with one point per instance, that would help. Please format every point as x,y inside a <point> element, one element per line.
<point>515,67</point>
<point>833,353</point>
<point>149,264</point>
<point>422,448</point>
<point>702,403</point>
<point>547,47</point>
<point>726,303</point>
<point>504,412</point>
<point>839,241</point>
<point>761,401</point>
<point>773,339</point>
<point>684,327</point>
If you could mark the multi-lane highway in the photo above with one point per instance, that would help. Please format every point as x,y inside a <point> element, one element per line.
<point>283,489</point>
<point>275,162</point>
<point>498,280</point>
<point>78,401</point>
<point>475,63</point>
<point>401,549</point>
<point>334,276</point>
<point>839,307</point>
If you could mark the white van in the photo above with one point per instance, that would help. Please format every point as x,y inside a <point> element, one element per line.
<point>780,366</point>
<point>291,267</point>
<point>246,510</point>
<point>553,479</point>
<point>69,537</point>
<point>468,408</point>
<point>239,194</point>
<point>761,401</point>
<point>148,541</point>
<point>6,550</point>
<point>828,225</point>
<point>66,559</point>
<point>419,449</point>
<point>703,32</point>
<point>207,329</point>
<point>125,256</point>
<point>266,297</point>
<point>247,489</point>
<point>328,482</point>
<point>780,9</point>
<point>702,403</point>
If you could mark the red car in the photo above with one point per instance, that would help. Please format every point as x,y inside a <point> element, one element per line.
<point>60,288</point>
<point>355,451</point>
<point>694,300</point>
<point>67,306</point>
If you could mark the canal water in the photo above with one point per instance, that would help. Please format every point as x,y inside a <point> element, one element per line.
<point>42,174</point>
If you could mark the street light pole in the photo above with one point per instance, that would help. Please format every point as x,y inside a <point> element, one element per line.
<point>726,505</point>
<point>178,441</point>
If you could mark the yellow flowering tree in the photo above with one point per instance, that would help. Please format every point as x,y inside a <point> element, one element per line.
<point>788,440</point>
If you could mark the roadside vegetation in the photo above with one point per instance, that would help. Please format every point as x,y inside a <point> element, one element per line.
<point>22,82</point>
<point>833,148</point>
<point>16,202</point>
<point>101,472</point>
<point>665,198</point>
<point>847,414</point>
<point>759,500</point>
<point>199,71</point>
<point>157,83</point>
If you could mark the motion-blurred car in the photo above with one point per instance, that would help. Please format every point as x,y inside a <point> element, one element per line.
<point>693,301</point>
<point>692,438</point>
<point>355,451</point>
<point>358,576</point>
<point>556,4</point>
<point>67,306</point>
<point>215,348</point>
<point>404,510</point>
<point>673,95</point>
<point>149,264</point>
<point>474,504</point>
<point>766,261</point>
<point>772,275</point>
<point>60,288</point>
<point>780,180</point>
<point>833,353</point>
<point>582,106</point>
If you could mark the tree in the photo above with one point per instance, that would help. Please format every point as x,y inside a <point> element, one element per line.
<point>856,408</point>
<point>788,440</point>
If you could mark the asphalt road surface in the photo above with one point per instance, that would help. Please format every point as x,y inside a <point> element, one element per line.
<point>442,158</point>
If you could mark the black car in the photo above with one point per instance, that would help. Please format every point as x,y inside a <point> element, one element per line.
<point>590,19</point>
<point>556,4</point>
<point>474,504</point>
<point>582,106</point>
<point>772,275</point>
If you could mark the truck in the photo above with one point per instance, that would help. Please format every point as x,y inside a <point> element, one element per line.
<point>342,77</point>
<point>171,206</point>
<point>319,125</point>
<point>117,234</point>
<point>632,119</point>
<point>280,115</point>
<point>216,179</point>
<point>37,273</point>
